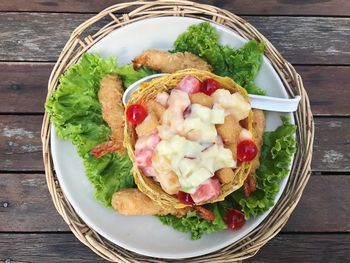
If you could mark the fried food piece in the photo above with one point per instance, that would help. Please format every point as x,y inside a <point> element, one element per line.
<point>133,202</point>
<point>229,130</point>
<point>204,213</point>
<point>110,96</point>
<point>249,185</point>
<point>225,175</point>
<point>169,182</point>
<point>104,148</point>
<point>156,107</point>
<point>202,99</point>
<point>259,127</point>
<point>148,125</point>
<point>233,148</point>
<point>169,62</point>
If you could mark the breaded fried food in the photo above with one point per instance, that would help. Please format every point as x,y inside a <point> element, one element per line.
<point>233,148</point>
<point>110,97</point>
<point>156,107</point>
<point>148,125</point>
<point>133,202</point>
<point>202,99</point>
<point>259,127</point>
<point>166,62</point>
<point>225,175</point>
<point>229,130</point>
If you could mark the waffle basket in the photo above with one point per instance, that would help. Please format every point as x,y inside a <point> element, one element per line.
<point>119,15</point>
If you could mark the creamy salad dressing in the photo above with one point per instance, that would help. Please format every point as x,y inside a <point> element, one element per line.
<point>190,146</point>
<point>184,151</point>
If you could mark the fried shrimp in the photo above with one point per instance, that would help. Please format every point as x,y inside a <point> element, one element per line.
<point>169,62</point>
<point>133,202</point>
<point>110,98</point>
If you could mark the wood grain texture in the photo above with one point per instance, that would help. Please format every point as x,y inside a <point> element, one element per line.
<point>306,248</point>
<point>326,87</point>
<point>332,145</point>
<point>26,206</point>
<point>44,248</point>
<point>20,145</point>
<point>23,88</point>
<point>323,206</point>
<point>310,40</point>
<point>247,7</point>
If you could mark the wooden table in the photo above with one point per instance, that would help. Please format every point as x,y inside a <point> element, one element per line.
<point>314,35</point>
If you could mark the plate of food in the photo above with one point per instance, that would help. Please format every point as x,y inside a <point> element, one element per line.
<point>187,162</point>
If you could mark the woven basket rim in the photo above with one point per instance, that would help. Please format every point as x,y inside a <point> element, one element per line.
<point>301,170</point>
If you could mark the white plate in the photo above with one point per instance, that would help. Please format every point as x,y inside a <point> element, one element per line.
<point>147,235</point>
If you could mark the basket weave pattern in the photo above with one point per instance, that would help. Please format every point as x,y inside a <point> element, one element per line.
<point>125,13</point>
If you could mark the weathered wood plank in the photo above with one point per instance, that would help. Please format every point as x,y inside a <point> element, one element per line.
<point>306,248</point>
<point>323,198</point>
<point>310,40</point>
<point>25,204</point>
<point>44,248</point>
<point>247,7</point>
<point>307,40</point>
<point>20,145</point>
<point>332,145</point>
<point>23,87</point>
<point>25,201</point>
<point>326,86</point>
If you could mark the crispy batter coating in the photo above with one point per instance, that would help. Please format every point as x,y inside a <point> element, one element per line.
<point>104,148</point>
<point>259,126</point>
<point>156,107</point>
<point>148,125</point>
<point>229,130</point>
<point>233,148</point>
<point>133,202</point>
<point>225,175</point>
<point>202,99</point>
<point>110,96</point>
<point>169,62</point>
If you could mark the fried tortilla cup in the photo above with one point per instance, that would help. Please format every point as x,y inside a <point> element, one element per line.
<point>166,83</point>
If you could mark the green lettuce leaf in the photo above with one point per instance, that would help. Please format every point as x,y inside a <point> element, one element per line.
<point>241,64</point>
<point>76,114</point>
<point>276,156</point>
<point>194,224</point>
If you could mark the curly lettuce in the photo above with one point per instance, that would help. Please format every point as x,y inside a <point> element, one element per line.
<point>192,223</point>
<point>275,159</point>
<point>240,64</point>
<point>75,112</point>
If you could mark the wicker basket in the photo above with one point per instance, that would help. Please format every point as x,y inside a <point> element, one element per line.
<point>125,13</point>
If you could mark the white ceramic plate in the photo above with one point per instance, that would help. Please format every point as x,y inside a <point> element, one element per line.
<point>146,234</point>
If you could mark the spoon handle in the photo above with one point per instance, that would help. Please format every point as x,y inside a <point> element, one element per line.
<point>274,104</point>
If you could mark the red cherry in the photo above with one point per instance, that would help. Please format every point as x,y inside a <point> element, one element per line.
<point>136,113</point>
<point>246,150</point>
<point>234,219</point>
<point>209,86</point>
<point>185,198</point>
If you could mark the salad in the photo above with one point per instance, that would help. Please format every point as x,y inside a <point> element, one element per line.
<point>187,148</point>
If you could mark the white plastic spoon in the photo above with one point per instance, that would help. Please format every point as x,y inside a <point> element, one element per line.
<point>256,101</point>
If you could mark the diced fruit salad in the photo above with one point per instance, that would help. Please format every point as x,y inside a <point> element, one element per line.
<point>179,143</point>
